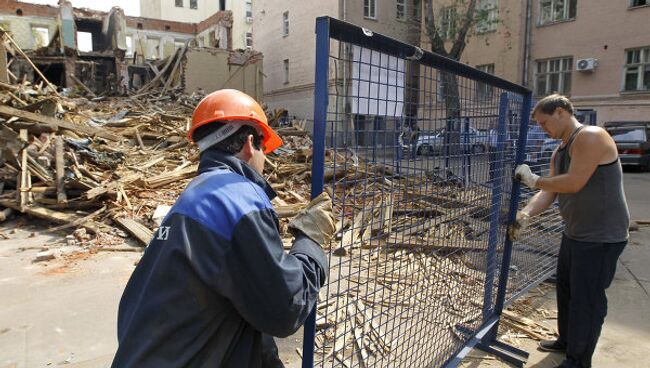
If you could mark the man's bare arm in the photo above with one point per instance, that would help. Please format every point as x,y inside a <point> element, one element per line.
<point>587,151</point>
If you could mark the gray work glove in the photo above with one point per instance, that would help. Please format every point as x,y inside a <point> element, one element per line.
<point>316,220</point>
<point>526,176</point>
<point>519,226</point>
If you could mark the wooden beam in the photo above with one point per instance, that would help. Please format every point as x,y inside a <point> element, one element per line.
<point>61,196</point>
<point>56,124</point>
<point>80,84</point>
<point>138,230</point>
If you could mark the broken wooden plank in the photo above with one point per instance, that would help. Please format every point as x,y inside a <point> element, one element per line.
<point>29,61</point>
<point>166,178</point>
<point>57,123</point>
<point>61,196</point>
<point>50,215</point>
<point>133,227</point>
<point>80,84</point>
<point>24,172</point>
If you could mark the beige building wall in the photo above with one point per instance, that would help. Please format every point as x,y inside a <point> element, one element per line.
<point>602,30</point>
<point>503,46</point>
<point>299,46</point>
<point>167,10</point>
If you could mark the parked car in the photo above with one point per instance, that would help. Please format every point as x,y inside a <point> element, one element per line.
<point>632,141</point>
<point>429,144</point>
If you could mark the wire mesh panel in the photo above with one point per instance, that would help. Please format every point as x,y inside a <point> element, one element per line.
<point>534,255</point>
<point>418,154</point>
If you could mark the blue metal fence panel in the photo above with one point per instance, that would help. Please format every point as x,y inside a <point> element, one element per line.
<point>418,152</point>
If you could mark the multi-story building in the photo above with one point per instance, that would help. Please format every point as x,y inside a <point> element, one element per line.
<point>284,33</point>
<point>596,52</point>
<point>196,11</point>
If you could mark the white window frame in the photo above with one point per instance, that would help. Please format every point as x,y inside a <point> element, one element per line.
<point>489,24</point>
<point>128,40</point>
<point>447,22</point>
<point>370,9</point>
<point>195,3</point>
<point>285,65</point>
<point>176,3</point>
<point>642,66</point>
<point>285,24</point>
<point>401,10</point>
<point>248,40</point>
<point>36,29</point>
<point>484,91</point>
<point>553,14</point>
<point>249,9</point>
<point>549,69</point>
<point>417,10</point>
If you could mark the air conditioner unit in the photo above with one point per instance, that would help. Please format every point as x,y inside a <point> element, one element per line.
<point>249,20</point>
<point>586,65</point>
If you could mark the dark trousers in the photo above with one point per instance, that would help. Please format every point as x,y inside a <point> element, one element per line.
<point>584,271</point>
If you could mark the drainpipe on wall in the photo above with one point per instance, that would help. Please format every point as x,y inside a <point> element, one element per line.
<point>527,37</point>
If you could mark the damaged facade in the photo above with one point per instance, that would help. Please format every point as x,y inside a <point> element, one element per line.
<point>110,53</point>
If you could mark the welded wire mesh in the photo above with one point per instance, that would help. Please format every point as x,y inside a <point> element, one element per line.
<point>419,162</point>
<point>534,255</point>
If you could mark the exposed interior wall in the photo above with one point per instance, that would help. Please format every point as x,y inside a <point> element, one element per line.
<point>210,70</point>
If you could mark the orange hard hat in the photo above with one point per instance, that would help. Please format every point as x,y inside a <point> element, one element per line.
<point>227,105</point>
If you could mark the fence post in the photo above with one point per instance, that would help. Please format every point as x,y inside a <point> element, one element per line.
<point>514,203</point>
<point>489,342</point>
<point>318,158</point>
<point>497,183</point>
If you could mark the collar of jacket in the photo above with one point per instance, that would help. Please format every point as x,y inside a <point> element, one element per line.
<point>212,159</point>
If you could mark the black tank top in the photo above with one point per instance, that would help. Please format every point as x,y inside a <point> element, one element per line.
<point>598,212</point>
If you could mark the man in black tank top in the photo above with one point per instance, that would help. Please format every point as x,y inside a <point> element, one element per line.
<point>586,178</point>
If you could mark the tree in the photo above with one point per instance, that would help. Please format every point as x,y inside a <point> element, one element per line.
<point>446,33</point>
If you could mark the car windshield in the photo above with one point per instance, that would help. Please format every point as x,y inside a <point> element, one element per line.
<point>628,134</point>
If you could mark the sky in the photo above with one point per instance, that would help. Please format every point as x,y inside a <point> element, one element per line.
<point>131,7</point>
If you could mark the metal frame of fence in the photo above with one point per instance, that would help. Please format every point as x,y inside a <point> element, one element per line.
<point>421,267</point>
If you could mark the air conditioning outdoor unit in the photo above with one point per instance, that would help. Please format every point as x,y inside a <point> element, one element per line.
<point>586,65</point>
<point>249,20</point>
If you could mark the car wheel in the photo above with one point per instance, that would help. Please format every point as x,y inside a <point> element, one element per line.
<point>425,150</point>
<point>478,148</point>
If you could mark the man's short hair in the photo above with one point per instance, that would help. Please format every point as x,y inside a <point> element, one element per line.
<point>232,144</point>
<point>548,104</point>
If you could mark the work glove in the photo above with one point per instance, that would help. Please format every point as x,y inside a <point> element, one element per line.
<point>524,175</point>
<point>519,226</point>
<point>316,221</point>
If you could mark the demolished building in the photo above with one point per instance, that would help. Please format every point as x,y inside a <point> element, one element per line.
<point>109,53</point>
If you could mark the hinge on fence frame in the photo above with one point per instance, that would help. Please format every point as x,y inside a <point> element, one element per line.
<point>417,54</point>
<point>367,32</point>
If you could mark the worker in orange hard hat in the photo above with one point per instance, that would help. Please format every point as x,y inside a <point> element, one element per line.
<point>215,283</point>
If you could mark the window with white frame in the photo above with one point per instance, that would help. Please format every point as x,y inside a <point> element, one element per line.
<point>285,23</point>
<point>551,11</point>
<point>249,39</point>
<point>634,3</point>
<point>370,9</point>
<point>417,10</point>
<point>286,71</point>
<point>553,76</point>
<point>41,35</point>
<point>637,70</point>
<point>249,9</point>
<point>129,46</point>
<point>488,16</point>
<point>193,4</point>
<point>484,91</point>
<point>179,3</point>
<point>447,22</point>
<point>401,9</point>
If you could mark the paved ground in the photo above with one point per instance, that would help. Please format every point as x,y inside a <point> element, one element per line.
<point>63,312</point>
